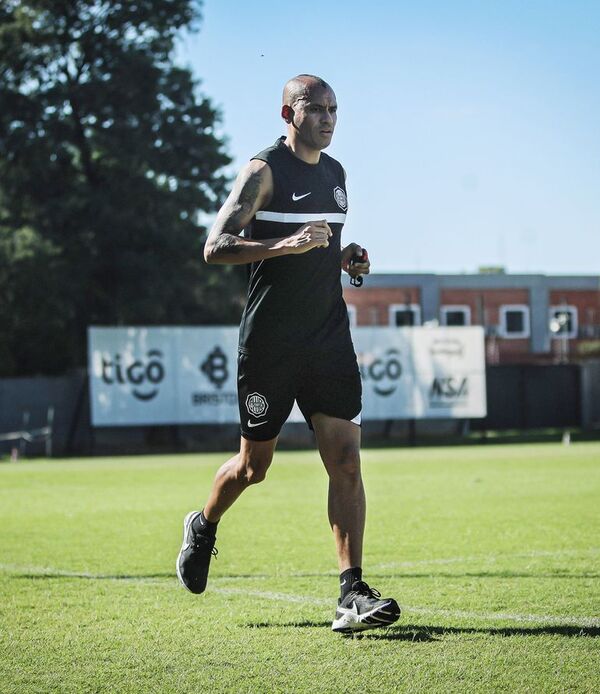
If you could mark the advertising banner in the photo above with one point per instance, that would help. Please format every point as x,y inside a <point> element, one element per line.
<point>144,376</point>
<point>449,372</point>
<point>386,368</point>
<point>131,373</point>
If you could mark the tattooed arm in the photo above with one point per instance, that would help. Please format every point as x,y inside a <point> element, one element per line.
<point>252,190</point>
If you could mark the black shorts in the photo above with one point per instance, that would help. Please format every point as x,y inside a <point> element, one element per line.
<point>326,382</point>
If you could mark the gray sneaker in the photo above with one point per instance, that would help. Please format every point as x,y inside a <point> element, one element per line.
<point>364,608</point>
<point>194,556</point>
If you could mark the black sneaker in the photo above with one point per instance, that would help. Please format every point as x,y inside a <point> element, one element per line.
<point>194,556</point>
<point>363,608</point>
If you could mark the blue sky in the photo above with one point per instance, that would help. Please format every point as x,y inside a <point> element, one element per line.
<point>470,131</point>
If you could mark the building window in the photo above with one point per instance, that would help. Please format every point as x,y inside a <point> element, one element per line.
<point>351,314</point>
<point>563,321</point>
<point>455,315</point>
<point>405,315</point>
<point>514,321</point>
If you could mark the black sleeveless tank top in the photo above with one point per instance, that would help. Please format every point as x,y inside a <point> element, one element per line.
<point>295,301</point>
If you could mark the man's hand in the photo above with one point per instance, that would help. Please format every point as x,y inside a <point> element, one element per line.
<point>356,269</point>
<point>309,236</point>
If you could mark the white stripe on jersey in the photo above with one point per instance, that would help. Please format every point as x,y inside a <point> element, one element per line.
<point>300,217</point>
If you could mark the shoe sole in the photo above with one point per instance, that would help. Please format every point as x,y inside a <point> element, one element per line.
<point>379,617</point>
<point>186,524</point>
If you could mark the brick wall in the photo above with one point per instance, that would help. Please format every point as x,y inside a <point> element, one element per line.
<point>587,304</point>
<point>372,304</point>
<point>492,299</point>
<point>372,308</point>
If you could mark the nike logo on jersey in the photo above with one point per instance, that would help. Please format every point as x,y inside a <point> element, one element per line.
<point>295,197</point>
<point>256,424</point>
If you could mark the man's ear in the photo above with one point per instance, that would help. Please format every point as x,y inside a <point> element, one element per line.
<point>287,113</point>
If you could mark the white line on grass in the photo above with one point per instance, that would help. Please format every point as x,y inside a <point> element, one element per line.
<point>566,620</point>
<point>52,572</point>
<point>491,558</point>
<point>433,612</point>
<point>41,570</point>
<point>486,558</point>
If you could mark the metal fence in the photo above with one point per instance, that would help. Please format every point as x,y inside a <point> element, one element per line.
<point>519,397</point>
<point>532,397</point>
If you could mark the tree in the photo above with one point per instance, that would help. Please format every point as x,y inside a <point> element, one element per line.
<point>107,157</point>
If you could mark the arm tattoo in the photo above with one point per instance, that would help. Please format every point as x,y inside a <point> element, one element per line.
<point>244,204</point>
<point>236,215</point>
<point>251,189</point>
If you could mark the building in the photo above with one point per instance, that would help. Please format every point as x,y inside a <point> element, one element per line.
<point>527,318</point>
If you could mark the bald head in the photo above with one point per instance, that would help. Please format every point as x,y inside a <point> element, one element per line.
<point>300,88</point>
<point>310,111</point>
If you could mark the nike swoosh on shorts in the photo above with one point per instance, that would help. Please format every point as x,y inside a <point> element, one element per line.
<point>295,197</point>
<point>256,424</point>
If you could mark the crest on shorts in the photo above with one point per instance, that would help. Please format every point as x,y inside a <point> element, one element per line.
<point>256,404</point>
<point>340,198</point>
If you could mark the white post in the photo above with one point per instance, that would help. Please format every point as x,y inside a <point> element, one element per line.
<point>49,424</point>
<point>23,441</point>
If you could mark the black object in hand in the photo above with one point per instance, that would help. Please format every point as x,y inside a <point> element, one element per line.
<point>358,258</point>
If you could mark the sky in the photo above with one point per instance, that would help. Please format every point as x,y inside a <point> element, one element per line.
<point>469,130</point>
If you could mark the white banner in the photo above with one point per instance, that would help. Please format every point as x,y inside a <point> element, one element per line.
<point>421,373</point>
<point>188,375</point>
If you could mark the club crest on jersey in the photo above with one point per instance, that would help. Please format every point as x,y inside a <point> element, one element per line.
<point>256,404</point>
<point>340,198</point>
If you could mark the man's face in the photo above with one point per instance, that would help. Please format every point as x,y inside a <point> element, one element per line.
<point>315,117</point>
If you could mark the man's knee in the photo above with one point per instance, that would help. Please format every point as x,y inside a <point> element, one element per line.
<point>252,469</point>
<point>252,474</point>
<point>344,462</point>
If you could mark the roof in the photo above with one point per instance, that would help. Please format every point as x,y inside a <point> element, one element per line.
<point>485,281</point>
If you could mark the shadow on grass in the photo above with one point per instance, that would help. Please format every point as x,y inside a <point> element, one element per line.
<point>91,577</point>
<point>67,576</point>
<point>411,632</point>
<point>488,574</point>
<point>425,574</point>
<point>407,633</point>
<point>307,623</point>
<point>397,634</point>
<point>468,574</point>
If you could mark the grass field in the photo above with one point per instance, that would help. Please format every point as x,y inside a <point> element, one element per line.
<point>492,551</point>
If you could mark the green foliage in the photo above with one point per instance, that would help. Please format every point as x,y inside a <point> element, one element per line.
<point>492,552</point>
<point>107,157</point>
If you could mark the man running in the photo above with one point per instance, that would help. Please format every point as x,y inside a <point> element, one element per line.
<point>295,344</point>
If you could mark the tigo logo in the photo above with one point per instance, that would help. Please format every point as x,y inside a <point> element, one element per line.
<point>138,374</point>
<point>385,372</point>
